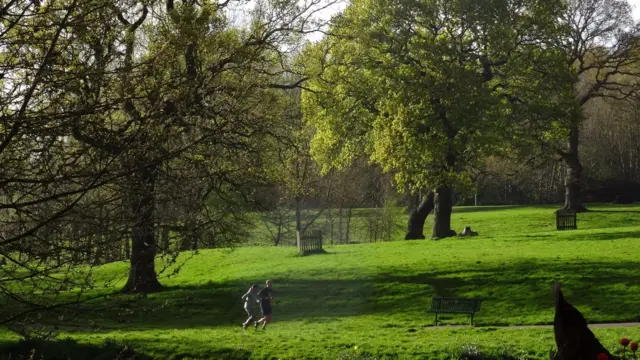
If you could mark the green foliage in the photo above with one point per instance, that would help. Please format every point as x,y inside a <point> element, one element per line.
<point>428,88</point>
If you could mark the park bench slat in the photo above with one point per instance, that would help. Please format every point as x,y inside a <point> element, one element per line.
<point>455,306</point>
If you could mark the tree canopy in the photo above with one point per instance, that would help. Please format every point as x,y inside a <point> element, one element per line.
<point>428,89</point>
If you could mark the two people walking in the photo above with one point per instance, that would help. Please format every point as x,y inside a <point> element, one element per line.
<point>262,298</point>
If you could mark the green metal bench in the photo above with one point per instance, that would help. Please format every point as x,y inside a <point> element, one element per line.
<point>455,306</point>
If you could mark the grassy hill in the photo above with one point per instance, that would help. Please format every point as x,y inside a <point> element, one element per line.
<point>374,295</point>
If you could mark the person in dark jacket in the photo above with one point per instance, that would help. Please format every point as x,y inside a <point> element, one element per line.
<point>264,298</point>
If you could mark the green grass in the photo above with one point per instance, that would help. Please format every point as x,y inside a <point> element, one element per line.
<point>374,295</point>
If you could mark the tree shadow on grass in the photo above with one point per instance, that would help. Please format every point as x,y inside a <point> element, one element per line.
<point>599,289</point>
<point>622,210</point>
<point>472,209</point>
<point>616,235</point>
<point>66,350</point>
<point>513,293</point>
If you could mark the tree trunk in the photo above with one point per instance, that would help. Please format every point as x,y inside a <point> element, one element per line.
<point>142,274</point>
<point>348,225</point>
<point>418,217</point>
<point>165,239</point>
<point>127,248</point>
<point>191,234</point>
<point>572,196</point>
<point>278,234</point>
<point>330,219</point>
<point>298,223</point>
<point>340,224</point>
<point>442,213</point>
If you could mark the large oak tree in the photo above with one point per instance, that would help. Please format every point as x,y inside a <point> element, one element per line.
<point>428,88</point>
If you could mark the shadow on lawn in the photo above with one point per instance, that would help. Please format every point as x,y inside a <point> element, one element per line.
<point>471,209</point>
<point>71,350</point>
<point>525,288</point>
<point>65,350</point>
<point>593,235</point>
<point>620,209</point>
<point>604,291</point>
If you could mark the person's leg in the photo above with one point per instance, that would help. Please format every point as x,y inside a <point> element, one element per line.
<point>262,319</point>
<point>267,319</point>
<point>264,312</point>
<point>251,317</point>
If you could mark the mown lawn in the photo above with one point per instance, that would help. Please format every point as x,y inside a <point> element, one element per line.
<point>374,295</point>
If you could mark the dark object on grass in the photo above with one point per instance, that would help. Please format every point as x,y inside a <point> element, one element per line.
<point>467,232</point>
<point>566,220</point>
<point>573,338</point>
<point>623,199</point>
<point>455,306</point>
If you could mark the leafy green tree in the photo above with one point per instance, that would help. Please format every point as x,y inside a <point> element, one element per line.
<point>47,180</point>
<point>428,89</point>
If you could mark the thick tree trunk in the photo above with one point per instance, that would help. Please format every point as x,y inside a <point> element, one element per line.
<point>442,213</point>
<point>415,228</point>
<point>572,196</point>
<point>142,274</point>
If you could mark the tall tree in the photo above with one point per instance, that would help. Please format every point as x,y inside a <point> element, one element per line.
<point>46,179</point>
<point>429,88</point>
<point>292,167</point>
<point>601,48</point>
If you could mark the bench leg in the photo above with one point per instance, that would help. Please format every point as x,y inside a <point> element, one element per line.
<point>436,319</point>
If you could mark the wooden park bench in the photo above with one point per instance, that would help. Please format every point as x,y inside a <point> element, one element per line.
<point>566,220</point>
<point>455,306</point>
